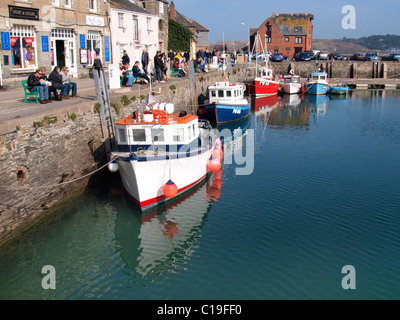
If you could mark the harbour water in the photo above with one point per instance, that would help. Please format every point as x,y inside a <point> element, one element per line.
<point>323,194</point>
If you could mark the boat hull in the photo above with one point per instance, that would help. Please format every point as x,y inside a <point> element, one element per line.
<point>144,179</point>
<point>229,113</point>
<point>262,87</point>
<point>338,90</point>
<point>291,88</point>
<point>317,88</point>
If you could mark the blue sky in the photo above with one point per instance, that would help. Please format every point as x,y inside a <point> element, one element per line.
<point>223,17</point>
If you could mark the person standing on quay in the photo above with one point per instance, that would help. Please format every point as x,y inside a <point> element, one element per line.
<point>158,66</point>
<point>145,60</point>
<point>125,58</point>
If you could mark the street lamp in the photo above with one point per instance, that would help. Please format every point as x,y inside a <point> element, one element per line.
<point>248,47</point>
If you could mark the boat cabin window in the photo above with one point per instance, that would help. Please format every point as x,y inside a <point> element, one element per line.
<point>213,93</point>
<point>122,135</point>
<point>322,77</point>
<point>194,129</point>
<point>220,93</point>
<point>229,94</point>
<point>315,77</point>
<point>190,132</point>
<point>157,135</point>
<point>178,134</point>
<point>287,80</point>
<point>139,135</point>
<point>295,80</point>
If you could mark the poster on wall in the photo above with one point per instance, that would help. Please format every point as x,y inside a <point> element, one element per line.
<point>5,40</point>
<point>84,56</point>
<point>45,43</point>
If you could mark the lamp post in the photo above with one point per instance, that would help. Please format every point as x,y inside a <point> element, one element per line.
<point>248,47</point>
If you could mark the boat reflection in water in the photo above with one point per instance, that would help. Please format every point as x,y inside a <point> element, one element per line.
<point>166,237</point>
<point>317,103</point>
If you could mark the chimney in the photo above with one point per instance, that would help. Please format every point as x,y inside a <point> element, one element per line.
<point>172,10</point>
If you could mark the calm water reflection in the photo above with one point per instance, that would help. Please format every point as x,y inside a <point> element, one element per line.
<point>323,194</point>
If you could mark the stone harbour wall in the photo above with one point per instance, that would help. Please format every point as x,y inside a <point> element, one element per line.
<point>42,166</point>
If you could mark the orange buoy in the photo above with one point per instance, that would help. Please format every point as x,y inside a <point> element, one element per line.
<point>170,189</point>
<point>213,164</point>
<point>217,153</point>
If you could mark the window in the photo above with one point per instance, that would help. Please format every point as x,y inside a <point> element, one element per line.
<point>268,39</point>
<point>122,135</point>
<point>135,28</point>
<point>120,20</point>
<point>220,93</point>
<point>298,40</point>
<point>23,46</point>
<point>67,3</point>
<point>92,5</point>
<point>178,134</point>
<point>157,135</point>
<point>148,24</point>
<point>190,132</point>
<point>55,2</point>
<point>213,94</point>
<point>286,39</point>
<point>229,94</point>
<point>194,130</point>
<point>139,135</point>
<point>161,6</point>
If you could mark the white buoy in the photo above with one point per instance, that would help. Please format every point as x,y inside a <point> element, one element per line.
<point>113,166</point>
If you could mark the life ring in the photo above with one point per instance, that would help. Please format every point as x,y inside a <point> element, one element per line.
<point>160,114</point>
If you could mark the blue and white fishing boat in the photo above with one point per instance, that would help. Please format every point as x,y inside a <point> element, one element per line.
<point>226,103</point>
<point>317,83</point>
<point>340,88</point>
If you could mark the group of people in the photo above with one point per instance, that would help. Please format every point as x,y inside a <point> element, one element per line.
<point>129,75</point>
<point>59,79</point>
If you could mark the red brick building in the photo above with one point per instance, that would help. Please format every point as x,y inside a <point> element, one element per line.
<point>287,33</point>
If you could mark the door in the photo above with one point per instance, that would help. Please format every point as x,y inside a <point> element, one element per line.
<point>70,58</point>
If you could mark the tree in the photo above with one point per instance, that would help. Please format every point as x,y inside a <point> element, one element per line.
<point>179,37</point>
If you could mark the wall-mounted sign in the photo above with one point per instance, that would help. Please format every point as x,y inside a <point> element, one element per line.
<point>82,41</point>
<point>84,56</point>
<point>23,13</point>
<point>45,43</point>
<point>94,21</point>
<point>5,41</point>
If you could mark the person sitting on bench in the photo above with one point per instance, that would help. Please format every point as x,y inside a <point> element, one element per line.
<point>139,73</point>
<point>56,78</point>
<point>39,85</point>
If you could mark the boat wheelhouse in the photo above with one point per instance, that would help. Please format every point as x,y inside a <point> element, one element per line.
<point>160,147</point>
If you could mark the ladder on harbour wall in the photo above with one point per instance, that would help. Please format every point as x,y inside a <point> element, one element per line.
<point>106,119</point>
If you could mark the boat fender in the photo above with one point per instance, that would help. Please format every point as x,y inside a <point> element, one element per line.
<point>113,166</point>
<point>170,189</point>
<point>213,164</point>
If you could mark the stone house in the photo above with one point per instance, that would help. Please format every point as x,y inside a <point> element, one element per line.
<point>47,33</point>
<point>160,9</point>
<point>287,33</point>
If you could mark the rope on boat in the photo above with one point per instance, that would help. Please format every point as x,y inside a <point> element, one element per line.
<point>63,183</point>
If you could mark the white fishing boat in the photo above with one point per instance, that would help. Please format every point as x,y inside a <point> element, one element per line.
<point>226,103</point>
<point>291,84</point>
<point>160,155</point>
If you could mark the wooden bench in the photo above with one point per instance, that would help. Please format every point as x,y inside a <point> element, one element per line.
<point>28,93</point>
<point>134,78</point>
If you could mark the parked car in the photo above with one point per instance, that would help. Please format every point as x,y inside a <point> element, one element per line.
<point>311,53</point>
<point>322,55</point>
<point>357,56</point>
<point>336,56</point>
<point>302,56</point>
<point>277,57</point>
<point>392,57</point>
<point>371,57</point>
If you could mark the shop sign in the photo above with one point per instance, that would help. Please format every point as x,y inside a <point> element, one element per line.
<point>94,21</point>
<point>23,13</point>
